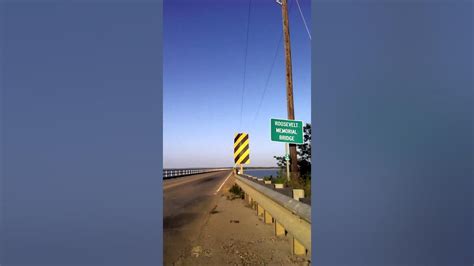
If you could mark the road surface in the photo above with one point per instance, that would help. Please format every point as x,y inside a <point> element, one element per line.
<point>187,204</point>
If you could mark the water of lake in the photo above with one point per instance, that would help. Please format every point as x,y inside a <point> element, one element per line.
<point>261,172</point>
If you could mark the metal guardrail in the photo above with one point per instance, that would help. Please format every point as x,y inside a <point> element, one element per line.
<point>293,215</point>
<point>171,173</point>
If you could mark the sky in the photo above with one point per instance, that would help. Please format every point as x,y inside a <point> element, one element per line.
<point>203,75</point>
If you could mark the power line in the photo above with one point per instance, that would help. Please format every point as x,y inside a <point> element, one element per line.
<point>245,64</point>
<point>268,77</point>
<point>304,20</point>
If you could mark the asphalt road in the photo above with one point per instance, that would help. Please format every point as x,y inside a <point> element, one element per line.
<point>187,204</point>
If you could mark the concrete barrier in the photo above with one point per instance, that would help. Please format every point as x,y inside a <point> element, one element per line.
<point>289,215</point>
<point>298,194</point>
<point>278,185</point>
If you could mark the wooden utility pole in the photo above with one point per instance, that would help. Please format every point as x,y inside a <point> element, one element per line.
<point>289,84</point>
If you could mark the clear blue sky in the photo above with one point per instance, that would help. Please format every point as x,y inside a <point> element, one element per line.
<point>203,72</point>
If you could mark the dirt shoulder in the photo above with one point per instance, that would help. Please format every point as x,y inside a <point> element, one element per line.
<point>235,235</point>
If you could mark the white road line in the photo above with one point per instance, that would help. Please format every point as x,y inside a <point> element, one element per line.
<point>217,191</point>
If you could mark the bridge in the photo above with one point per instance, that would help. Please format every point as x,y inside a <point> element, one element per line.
<point>195,200</point>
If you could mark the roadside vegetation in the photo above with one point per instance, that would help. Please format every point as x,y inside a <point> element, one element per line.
<point>236,192</point>
<point>304,165</point>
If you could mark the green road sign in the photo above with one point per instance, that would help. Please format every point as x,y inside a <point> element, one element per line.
<point>289,131</point>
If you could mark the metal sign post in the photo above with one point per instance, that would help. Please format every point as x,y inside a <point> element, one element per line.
<point>287,159</point>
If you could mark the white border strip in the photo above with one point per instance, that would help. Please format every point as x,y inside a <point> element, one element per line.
<point>217,191</point>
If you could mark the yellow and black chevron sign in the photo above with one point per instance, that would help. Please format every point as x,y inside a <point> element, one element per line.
<point>241,148</point>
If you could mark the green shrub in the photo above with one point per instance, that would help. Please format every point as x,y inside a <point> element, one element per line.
<point>280,180</point>
<point>237,191</point>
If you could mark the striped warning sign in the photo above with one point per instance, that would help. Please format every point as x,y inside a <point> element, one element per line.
<point>241,148</point>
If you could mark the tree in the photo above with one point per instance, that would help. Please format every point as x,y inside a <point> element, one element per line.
<point>304,155</point>
<point>282,165</point>
<point>280,161</point>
